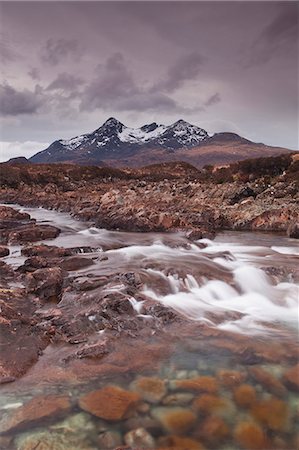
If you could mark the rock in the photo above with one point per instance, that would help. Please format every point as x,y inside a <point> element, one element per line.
<point>50,440</point>
<point>46,283</point>
<point>139,438</point>
<point>199,384</point>
<point>175,420</point>
<point>37,410</point>
<point>46,250</point>
<point>268,381</point>
<point>272,413</point>
<point>230,378</point>
<point>244,395</point>
<point>151,389</point>
<point>6,212</point>
<point>214,431</point>
<point>250,436</point>
<point>76,263</point>
<point>291,378</point>
<point>207,404</point>
<point>4,251</point>
<point>178,399</point>
<point>293,230</point>
<point>33,233</point>
<point>109,439</point>
<point>110,403</point>
<point>179,443</point>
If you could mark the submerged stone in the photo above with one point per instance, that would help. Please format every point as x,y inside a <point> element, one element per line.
<point>291,378</point>
<point>214,431</point>
<point>151,389</point>
<point>272,413</point>
<point>139,438</point>
<point>244,395</point>
<point>175,420</point>
<point>230,378</point>
<point>199,384</point>
<point>110,403</point>
<point>179,443</point>
<point>36,411</point>
<point>268,381</point>
<point>250,436</point>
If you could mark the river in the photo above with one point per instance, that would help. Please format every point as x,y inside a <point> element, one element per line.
<point>243,284</point>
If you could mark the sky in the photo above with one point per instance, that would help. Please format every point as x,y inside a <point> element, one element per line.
<point>225,66</point>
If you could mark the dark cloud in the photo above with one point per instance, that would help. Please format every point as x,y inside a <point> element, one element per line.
<point>115,86</point>
<point>56,51</point>
<point>278,38</point>
<point>213,100</point>
<point>7,52</point>
<point>186,68</point>
<point>34,73</point>
<point>66,82</point>
<point>14,103</point>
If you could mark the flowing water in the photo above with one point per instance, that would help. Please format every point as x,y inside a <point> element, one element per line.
<point>244,285</point>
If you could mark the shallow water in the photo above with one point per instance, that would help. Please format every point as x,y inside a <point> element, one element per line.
<point>243,284</point>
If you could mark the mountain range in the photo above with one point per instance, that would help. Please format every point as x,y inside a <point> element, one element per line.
<point>115,144</point>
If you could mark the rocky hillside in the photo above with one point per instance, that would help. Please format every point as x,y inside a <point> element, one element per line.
<point>260,194</point>
<point>117,145</point>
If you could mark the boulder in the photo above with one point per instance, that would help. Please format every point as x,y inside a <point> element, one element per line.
<point>46,283</point>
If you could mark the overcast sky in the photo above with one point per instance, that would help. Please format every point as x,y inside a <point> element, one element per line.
<point>225,66</point>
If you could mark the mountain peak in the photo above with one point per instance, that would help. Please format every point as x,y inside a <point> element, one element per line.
<point>111,122</point>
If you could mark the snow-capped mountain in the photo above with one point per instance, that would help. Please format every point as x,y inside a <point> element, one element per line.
<point>114,139</point>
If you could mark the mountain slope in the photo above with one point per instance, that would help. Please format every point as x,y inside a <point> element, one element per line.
<point>118,145</point>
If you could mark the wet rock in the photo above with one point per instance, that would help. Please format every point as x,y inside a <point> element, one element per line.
<point>178,399</point>
<point>272,413</point>
<point>199,384</point>
<point>291,378</point>
<point>49,440</point>
<point>175,420</point>
<point>6,212</point>
<point>33,233</point>
<point>244,395</point>
<point>46,283</point>
<point>179,443</point>
<point>109,439</point>
<point>151,389</point>
<point>76,263</point>
<point>213,431</point>
<point>139,438</point>
<point>293,230</point>
<point>230,378</point>
<point>250,436</point>
<point>4,251</point>
<point>37,410</point>
<point>207,404</point>
<point>46,251</point>
<point>110,403</point>
<point>268,381</point>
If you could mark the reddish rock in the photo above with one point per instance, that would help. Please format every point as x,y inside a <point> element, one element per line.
<point>244,395</point>
<point>293,230</point>
<point>4,251</point>
<point>33,233</point>
<point>250,436</point>
<point>46,283</point>
<point>46,250</point>
<point>175,420</point>
<point>199,384</point>
<point>139,438</point>
<point>35,411</point>
<point>268,381</point>
<point>210,404</point>
<point>272,413</point>
<point>110,403</point>
<point>179,443</point>
<point>151,389</point>
<point>213,431</point>
<point>291,378</point>
<point>230,378</point>
<point>6,212</point>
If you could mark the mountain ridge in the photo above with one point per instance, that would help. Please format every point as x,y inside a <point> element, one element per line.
<point>118,145</point>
